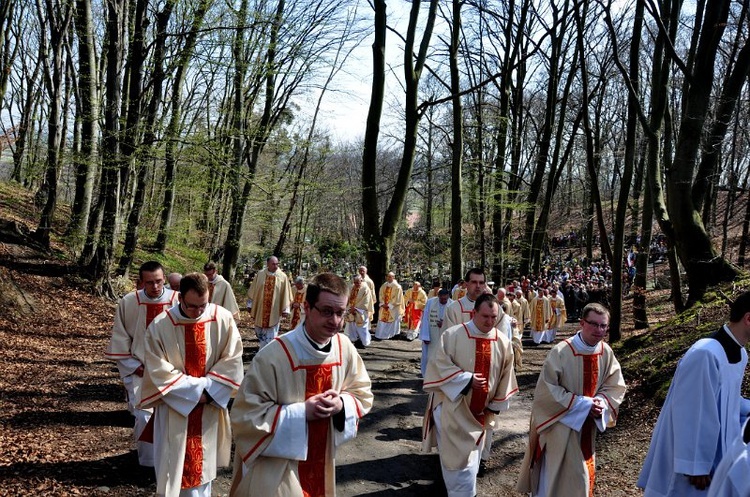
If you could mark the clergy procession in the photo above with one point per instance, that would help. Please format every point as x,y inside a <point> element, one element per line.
<point>279,419</point>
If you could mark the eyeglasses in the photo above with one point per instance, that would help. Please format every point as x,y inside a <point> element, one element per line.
<point>201,307</point>
<point>328,313</point>
<point>601,326</point>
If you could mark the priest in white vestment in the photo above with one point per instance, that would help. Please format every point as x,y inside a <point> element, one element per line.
<point>432,326</point>
<point>471,380</point>
<point>299,290</point>
<point>268,299</point>
<point>134,314</point>
<point>220,292</point>
<point>302,398</point>
<point>359,312</point>
<point>732,475</point>
<point>193,368</point>
<point>579,391</point>
<point>391,309</point>
<point>703,413</point>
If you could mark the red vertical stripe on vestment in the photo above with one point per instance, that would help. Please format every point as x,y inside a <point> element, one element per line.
<point>590,379</point>
<point>313,470</point>
<point>482,362</point>
<point>195,365</point>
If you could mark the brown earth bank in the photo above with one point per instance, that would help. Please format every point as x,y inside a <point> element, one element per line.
<point>65,429</point>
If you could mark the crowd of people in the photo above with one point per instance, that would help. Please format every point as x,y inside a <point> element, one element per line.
<point>179,354</point>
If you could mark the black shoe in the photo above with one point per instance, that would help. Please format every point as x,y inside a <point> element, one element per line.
<point>482,469</point>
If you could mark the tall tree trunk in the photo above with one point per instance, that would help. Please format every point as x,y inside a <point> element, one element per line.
<point>631,138</point>
<point>173,128</point>
<point>531,251</point>
<point>87,108</point>
<point>133,130</point>
<point>379,238</point>
<point>694,247</point>
<point>457,149</point>
<point>100,263</point>
<point>54,72</point>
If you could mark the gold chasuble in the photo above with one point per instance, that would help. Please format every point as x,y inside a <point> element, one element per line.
<point>385,313</point>
<point>299,298</point>
<point>268,289</point>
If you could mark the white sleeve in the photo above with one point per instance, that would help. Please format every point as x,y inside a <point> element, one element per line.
<point>290,437</point>
<point>185,395</point>
<point>219,392</point>
<point>453,388</point>
<point>577,413</point>
<point>424,324</point>
<point>127,366</point>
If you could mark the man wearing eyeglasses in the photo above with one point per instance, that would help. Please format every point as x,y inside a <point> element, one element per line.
<point>702,415</point>
<point>302,397</point>
<point>193,359</point>
<point>135,312</point>
<point>580,389</point>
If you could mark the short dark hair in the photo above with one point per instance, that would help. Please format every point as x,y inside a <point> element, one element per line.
<point>194,281</point>
<point>325,282</point>
<point>485,298</point>
<point>474,270</point>
<point>444,291</point>
<point>739,307</point>
<point>150,267</point>
<point>209,266</point>
<point>595,308</point>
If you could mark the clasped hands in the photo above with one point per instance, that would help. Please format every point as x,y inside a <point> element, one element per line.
<point>323,405</point>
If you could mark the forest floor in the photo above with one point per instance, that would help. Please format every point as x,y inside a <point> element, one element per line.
<point>65,430</point>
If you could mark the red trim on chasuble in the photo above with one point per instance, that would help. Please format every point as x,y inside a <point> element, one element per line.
<point>588,431</point>
<point>195,365</point>
<point>211,287</point>
<point>313,470</point>
<point>268,288</point>
<point>482,362</point>
<point>385,312</point>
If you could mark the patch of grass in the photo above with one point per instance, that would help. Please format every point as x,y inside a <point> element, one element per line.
<point>650,359</point>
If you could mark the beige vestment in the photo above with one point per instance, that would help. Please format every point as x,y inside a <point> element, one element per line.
<point>271,294</point>
<point>559,315</point>
<point>298,313</point>
<point>460,311</point>
<point>569,372</point>
<point>279,452</point>
<point>361,302</point>
<point>541,313</point>
<point>465,350</point>
<point>184,358</point>
<point>221,293</point>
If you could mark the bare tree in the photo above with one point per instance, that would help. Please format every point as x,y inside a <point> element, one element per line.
<point>56,18</point>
